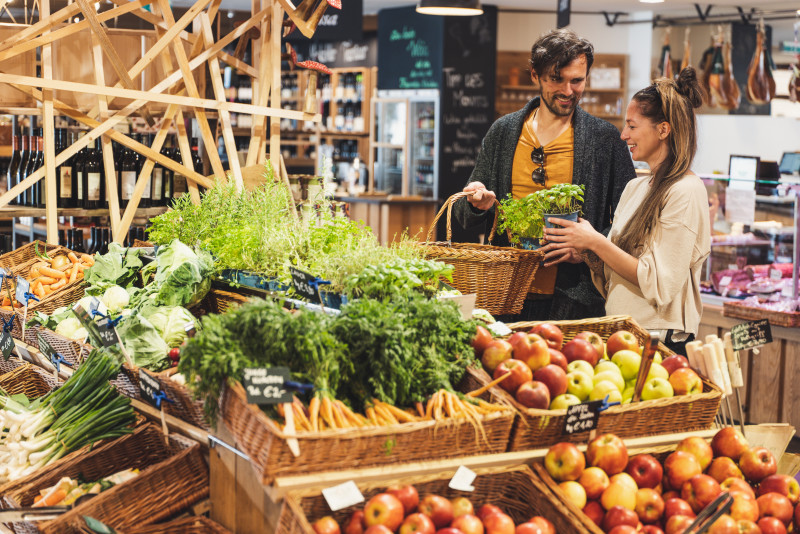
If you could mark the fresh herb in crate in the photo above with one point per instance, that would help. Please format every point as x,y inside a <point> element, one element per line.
<point>398,277</point>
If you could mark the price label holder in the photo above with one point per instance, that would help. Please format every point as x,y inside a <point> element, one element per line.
<point>463,478</point>
<point>267,385</point>
<point>23,295</point>
<point>6,344</point>
<point>190,329</point>
<point>751,334</point>
<point>306,285</point>
<point>582,417</point>
<point>107,332</point>
<point>50,354</point>
<point>342,496</point>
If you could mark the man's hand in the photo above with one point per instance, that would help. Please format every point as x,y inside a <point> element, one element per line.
<point>555,256</point>
<point>483,199</point>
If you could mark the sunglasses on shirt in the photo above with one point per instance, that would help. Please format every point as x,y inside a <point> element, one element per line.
<point>537,156</point>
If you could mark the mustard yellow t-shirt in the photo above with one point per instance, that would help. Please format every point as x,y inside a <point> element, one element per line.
<point>558,156</point>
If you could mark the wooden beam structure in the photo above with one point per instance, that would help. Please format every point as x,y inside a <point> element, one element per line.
<point>183,49</point>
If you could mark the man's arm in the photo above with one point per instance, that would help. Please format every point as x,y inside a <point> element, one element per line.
<point>466,214</point>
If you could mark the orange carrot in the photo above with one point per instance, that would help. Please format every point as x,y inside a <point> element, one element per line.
<point>73,275</point>
<point>52,499</point>
<point>53,273</point>
<point>73,258</point>
<point>88,260</point>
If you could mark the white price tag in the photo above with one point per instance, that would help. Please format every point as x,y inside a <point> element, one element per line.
<point>775,274</point>
<point>342,496</point>
<point>23,353</point>
<point>725,281</point>
<point>499,329</point>
<point>462,480</point>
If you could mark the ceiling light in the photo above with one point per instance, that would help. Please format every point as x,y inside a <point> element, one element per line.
<point>450,7</point>
<point>230,14</point>
<point>651,1</point>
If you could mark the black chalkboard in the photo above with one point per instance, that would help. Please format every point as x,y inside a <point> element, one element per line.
<point>6,344</point>
<point>751,334</point>
<point>409,49</point>
<point>265,386</point>
<point>336,24</point>
<point>582,417</point>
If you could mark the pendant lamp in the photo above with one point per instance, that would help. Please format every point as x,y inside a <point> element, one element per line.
<point>450,7</point>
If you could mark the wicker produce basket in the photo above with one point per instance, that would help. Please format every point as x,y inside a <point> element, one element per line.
<point>261,439</point>
<point>541,428</point>
<point>29,380</point>
<point>184,525</point>
<point>220,301</point>
<point>751,313</point>
<point>173,477</point>
<point>499,276</point>
<point>9,260</point>
<point>183,405</point>
<point>516,490</point>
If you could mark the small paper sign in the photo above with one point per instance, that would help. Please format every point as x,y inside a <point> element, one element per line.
<point>265,385</point>
<point>22,352</point>
<point>303,284</point>
<point>463,479</point>
<point>107,333</point>
<point>150,388</point>
<point>6,344</point>
<point>23,287</point>
<point>582,417</point>
<point>190,329</point>
<point>751,334</point>
<point>775,274</point>
<point>725,281</point>
<point>342,496</point>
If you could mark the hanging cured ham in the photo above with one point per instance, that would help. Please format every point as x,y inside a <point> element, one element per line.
<point>716,72</point>
<point>706,64</point>
<point>665,62</point>
<point>729,86</point>
<point>687,50</point>
<point>760,83</point>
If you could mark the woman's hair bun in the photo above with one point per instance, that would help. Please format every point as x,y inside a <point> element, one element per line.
<point>690,87</point>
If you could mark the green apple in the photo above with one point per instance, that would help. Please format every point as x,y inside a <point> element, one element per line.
<point>610,376</point>
<point>627,395</point>
<point>607,365</point>
<point>562,402</point>
<point>581,365</point>
<point>630,383</point>
<point>628,362</point>
<point>657,388</point>
<point>579,384</point>
<point>657,357</point>
<point>603,388</point>
<point>657,371</point>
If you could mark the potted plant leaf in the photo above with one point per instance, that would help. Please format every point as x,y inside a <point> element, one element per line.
<point>522,219</point>
<point>562,201</point>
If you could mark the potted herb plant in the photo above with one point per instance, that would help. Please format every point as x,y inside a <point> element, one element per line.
<point>562,201</point>
<point>522,219</point>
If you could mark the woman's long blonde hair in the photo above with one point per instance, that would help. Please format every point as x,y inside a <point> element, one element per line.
<point>671,101</point>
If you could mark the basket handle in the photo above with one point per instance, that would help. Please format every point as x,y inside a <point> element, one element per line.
<point>448,205</point>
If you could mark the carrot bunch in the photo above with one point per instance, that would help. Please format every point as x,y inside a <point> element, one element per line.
<point>51,274</point>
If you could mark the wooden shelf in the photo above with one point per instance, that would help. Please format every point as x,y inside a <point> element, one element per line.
<point>615,91</point>
<point>8,212</point>
<point>6,151</point>
<point>326,133</point>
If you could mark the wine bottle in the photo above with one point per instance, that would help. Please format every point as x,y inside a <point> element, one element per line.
<point>127,176</point>
<point>179,186</point>
<point>169,179</point>
<point>104,242</point>
<point>157,185</point>
<point>62,237</point>
<point>197,161</point>
<point>77,241</point>
<point>11,173</point>
<point>92,248</point>
<point>63,172</point>
<point>78,166</point>
<point>145,201</point>
<point>25,155</point>
<point>93,183</point>
<point>36,197</point>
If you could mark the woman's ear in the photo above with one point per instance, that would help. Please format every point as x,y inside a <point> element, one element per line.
<point>664,130</point>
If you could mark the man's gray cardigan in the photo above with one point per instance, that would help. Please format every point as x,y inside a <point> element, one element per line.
<point>602,163</point>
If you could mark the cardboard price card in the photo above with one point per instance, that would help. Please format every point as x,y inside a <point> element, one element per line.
<point>6,344</point>
<point>265,385</point>
<point>23,288</point>
<point>751,334</point>
<point>582,417</point>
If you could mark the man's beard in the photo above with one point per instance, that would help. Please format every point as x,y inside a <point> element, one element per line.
<point>558,110</point>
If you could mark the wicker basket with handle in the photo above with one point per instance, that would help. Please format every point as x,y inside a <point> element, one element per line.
<point>516,490</point>
<point>9,260</point>
<point>499,276</point>
<point>266,444</point>
<point>536,428</point>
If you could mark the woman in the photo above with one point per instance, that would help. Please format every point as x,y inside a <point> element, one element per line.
<point>649,266</point>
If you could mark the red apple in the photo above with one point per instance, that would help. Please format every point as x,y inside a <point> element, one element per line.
<point>685,381</point>
<point>618,494</point>
<point>468,524</point>
<point>448,530</point>
<point>725,524</point>
<point>783,484</point>
<point>677,524</point>
<point>651,529</point>
<point>645,470</point>
<point>679,467</point>
<point>545,524</point>
<point>699,491</point>
<point>771,525</point>
<point>607,452</point>
<point>619,515</point>
<point>419,523</point>
<point>744,506</point>
<point>531,349</point>
<point>595,481</point>
<point>384,509</point>
<point>528,528</point>
<point>757,464</point>
<point>737,484</point>
<point>675,506</point>
<point>438,509</point>
<point>481,340</point>
<point>595,512</point>
<point>671,494</point>
<point>674,362</point>
<point>699,448</point>
<point>574,493</point>
<point>407,495</point>
<point>621,340</point>
<point>533,394</point>
<point>649,505</point>
<point>326,525</point>
<point>356,524</point>
<point>747,527</point>
<point>723,468</point>
<point>797,518</point>
<point>729,442</point>
<point>520,373</point>
<point>775,505</point>
<point>580,349</point>
<point>557,358</point>
<point>487,509</point>
<point>623,529</point>
<point>497,351</point>
<point>498,524</point>
<point>594,340</point>
<point>554,378</point>
<point>550,333</point>
<point>378,529</point>
<point>462,506</point>
<point>564,461</point>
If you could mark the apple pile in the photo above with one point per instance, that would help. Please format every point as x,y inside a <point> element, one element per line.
<point>544,372</point>
<point>624,495</point>
<point>400,510</point>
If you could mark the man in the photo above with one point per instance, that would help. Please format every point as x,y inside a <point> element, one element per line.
<point>540,146</point>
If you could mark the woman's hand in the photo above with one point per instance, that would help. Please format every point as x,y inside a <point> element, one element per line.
<point>578,236</point>
<point>483,199</point>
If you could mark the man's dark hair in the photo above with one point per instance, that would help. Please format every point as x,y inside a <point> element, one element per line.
<point>558,48</point>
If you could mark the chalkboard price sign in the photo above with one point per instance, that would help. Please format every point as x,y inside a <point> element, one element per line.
<point>44,347</point>
<point>752,334</point>
<point>150,388</point>
<point>582,417</point>
<point>265,386</point>
<point>305,284</point>
<point>6,344</point>
<point>107,333</point>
